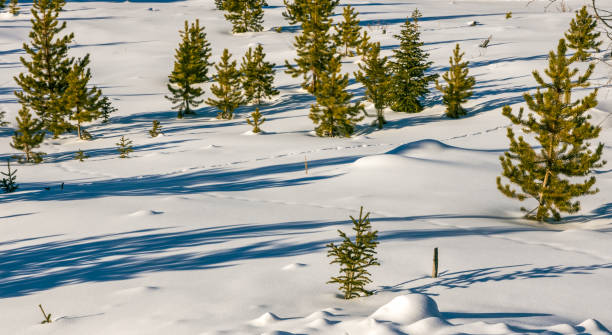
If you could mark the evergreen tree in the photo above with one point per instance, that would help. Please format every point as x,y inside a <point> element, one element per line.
<point>374,75</point>
<point>106,109</point>
<point>190,69</point>
<point>347,32</point>
<point>85,103</point>
<point>14,7</point>
<point>355,257</point>
<point>227,89</point>
<point>296,11</point>
<point>219,4</point>
<point>81,156</point>
<point>314,45</point>
<point>257,76</point>
<point>2,122</point>
<point>333,114</point>
<point>124,146</point>
<point>581,35</point>
<point>155,129</point>
<point>9,184</point>
<point>364,44</point>
<point>258,120</point>
<point>409,66</point>
<point>44,85</point>
<point>28,136</point>
<point>561,127</point>
<point>459,87</point>
<point>245,15</point>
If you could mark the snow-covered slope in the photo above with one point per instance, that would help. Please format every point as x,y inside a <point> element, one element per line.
<point>209,231</point>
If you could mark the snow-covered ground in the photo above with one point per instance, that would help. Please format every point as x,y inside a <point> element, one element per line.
<point>207,230</point>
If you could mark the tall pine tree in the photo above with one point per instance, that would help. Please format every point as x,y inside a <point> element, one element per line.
<point>28,136</point>
<point>459,85</point>
<point>245,15</point>
<point>227,90</point>
<point>257,76</point>
<point>190,69</point>
<point>44,84</point>
<point>314,45</point>
<point>333,113</point>
<point>410,65</point>
<point>374,75</point>
<point>550,175</point>
<point>581,35</point>
<point>348,32</point>
<point>84,102</point>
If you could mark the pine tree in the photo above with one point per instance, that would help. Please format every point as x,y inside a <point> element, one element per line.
<point>314,45</point>
<point>85,103</point>
<point>347,32</point>
<point>409,67</point>
<point>81,156</point>
<point>227,89</point>
<point>9,184</point>
<point>44,84</point>
<point>257,76</point>
<point>364,44</point>
<point>155,129</point>
<point>459,87</point>
<point>219,4</point>
<point>355,257</point>
<point>373,74</point>
<point>258,120</point>
<point>2,122</point>
<point>124,146</point>
<point>561,128</point>
<point>106,109</point>
<point>14,7</point>
<point>245,15</point>
<point>28,136</point>
<point>333,114</point>
<point>581,35</point>
<point>190,69</point>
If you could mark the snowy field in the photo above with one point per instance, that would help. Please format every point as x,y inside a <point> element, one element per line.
<point>210,230</point>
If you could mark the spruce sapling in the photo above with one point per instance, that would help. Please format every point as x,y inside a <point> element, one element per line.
<point>582,36</point>
<point>347,31</point>
<point>459,85</point>
<point>155,129</point>
<point>374,75</point>
<point>257,76</point>
<point>9,183</point>
<point>84,102</point>
<point>2,122</point>
<point>14,7</point>
<point>245,15</point>
<point>106,109</point>
<point>355,257</point>
<point>81,156</point>
<point>562,130</point>
<point>258,120</point>
<point>227,90</point>
<point>124,146</point>
<point>28,136</point>
<point>508,15</point>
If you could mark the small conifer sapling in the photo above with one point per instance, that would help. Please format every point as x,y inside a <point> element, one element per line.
<point>551,175</point>
<point>347,32</point>
<point>257,121</point>
<point>124,146</point>
<point>459,85</point>
<point>245,15</point>
<point>106,109</point>
<point>257,76</point>
<point>28,136</point>
<point>156,129</point>
<point>9,181</point>
<point>227,90</point>
<point>374,75</point>
<point>582,35</point>
<point>81,156</point>
<point>355,257</point>
<point>14,7</point>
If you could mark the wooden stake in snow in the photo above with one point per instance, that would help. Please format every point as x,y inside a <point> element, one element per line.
<point>305,164</point>
<point>434,274</point>
<point>47,316</point>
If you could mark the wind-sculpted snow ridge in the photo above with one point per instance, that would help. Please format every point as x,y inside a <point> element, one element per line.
<point>414,314</point>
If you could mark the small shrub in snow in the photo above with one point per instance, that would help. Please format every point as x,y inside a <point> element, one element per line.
<point>47,316</point>
<point>355,257</point>
<point>9,183</point>
<point>563,132</point>
<point>459,85</point>
<point>582,36</point>
<point>155,129</point>
<point>508,15</point>
<point>81,156</point>
<point>124,146</point>
<point>106,109</point>
<point>14,7</point>
<point>258,120</point>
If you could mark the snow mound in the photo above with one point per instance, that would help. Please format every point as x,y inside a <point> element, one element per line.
<point>407,309</point>
<point>381,161</point>
<point>320,315</point>
<point>265,320</point>
<point>293,266</point>
<point>428,146</point>
<point>320,323</point>
<point>594,327</point>
<point>144,212</point>
<point>428,326</point>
